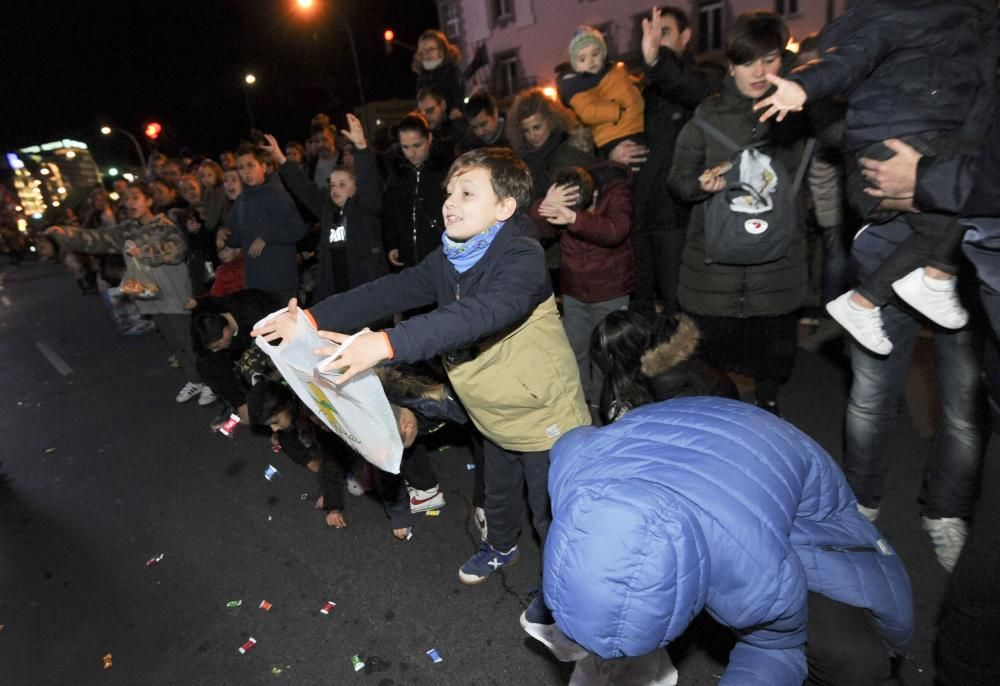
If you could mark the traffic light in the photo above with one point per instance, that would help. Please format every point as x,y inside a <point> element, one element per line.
<point>153,130</point>
<point>389,37</point>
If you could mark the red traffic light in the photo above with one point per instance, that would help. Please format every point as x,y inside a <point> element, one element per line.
<point>389,35</point>
<point>153,130</point>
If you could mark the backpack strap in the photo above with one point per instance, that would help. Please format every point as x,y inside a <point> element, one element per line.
<point>714,132</point>
<point>804,164</point>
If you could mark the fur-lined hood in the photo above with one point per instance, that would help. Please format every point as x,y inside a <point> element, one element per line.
<point>676,350</point>
<point>410,387</point>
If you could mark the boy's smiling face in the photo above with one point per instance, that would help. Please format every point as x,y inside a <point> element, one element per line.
<point>472,206</point>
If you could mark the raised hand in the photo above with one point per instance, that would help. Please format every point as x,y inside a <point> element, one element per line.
<point>355,132</point>
<point>274,149</point>
<point>557,214</point>
<point>282,326</point>
<point>563,196</point>
<point>787,97</point>
<point>652,29</point>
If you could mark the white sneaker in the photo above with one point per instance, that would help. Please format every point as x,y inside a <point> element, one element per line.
<point>354,486</point>
<point>864,325</point>
<point>206,396</point>
<point>936,299</point>
<point>421,501</point>
<point>948,535</point>
<point>551,636</point>
<point>189,391</point>
<point>870,513</point>
<point>479,518</point>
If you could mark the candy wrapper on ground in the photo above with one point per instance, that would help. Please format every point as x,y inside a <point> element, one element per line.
<point>107,661</point>
<point>265,606</point>
<point>358,663</point>
<point>358,411</point>
<point>325,610</point>
<point>271,472</point>
<point>433,655</point>
<point>251,642</point>
<point>229,426</point>
<point>153,561</point>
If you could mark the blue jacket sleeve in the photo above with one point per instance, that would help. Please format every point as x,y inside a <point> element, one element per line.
<point>406,290</point>
<point>514,290</point>
<point>861,43</point>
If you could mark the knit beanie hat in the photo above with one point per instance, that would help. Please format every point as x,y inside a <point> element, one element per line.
<point>587,35</point>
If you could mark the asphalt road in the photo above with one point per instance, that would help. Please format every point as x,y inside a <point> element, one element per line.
<point>101,470</point>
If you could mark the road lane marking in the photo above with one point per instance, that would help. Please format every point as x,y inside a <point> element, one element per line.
<point>54,359</point>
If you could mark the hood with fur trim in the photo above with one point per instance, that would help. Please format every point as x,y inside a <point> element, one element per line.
<point>415,388</point>
<point>676,350</point>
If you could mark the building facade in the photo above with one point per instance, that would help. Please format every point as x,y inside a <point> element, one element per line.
<point>520,42</point>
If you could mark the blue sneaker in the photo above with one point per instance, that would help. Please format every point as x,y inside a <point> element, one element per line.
<point>486,561</point>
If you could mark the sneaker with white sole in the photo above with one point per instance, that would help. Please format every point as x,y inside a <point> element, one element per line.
<point>486,561</point>
<point>948,535</point>
<point>936,299</point>
<point>189,391</point>
<point>206,396</point>
<point>537,622</point>
<point>431,499</point>
<point>864,324</point>
<point>479,518</point>
<point>870,513</point>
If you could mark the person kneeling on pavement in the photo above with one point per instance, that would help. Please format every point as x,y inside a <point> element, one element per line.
<point>711,504</point>
<point>308,443</point>
<point>221,329</point>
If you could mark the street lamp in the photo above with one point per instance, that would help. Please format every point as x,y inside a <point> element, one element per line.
<point>249,80</point>
<point>107,130</point>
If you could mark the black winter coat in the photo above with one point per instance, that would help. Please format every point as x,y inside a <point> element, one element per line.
<point>363,228</point>
<point>723,290</point>
<point>675,85</point>
<point>411,216</point>
<point>908,66</point>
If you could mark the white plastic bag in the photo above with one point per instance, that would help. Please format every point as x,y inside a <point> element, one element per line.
<point>358,411</point>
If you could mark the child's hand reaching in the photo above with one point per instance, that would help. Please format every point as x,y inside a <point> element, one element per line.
<point>271,145</point>
<point>788,97</point>
<point>367,350</point>
<point>282,326</point>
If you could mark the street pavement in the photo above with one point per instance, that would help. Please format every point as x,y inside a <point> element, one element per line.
<point>101,471</point>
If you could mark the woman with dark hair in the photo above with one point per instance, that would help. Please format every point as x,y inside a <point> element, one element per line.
<point>746,312</point>
<point>436,63</point>
<point>647,362</point>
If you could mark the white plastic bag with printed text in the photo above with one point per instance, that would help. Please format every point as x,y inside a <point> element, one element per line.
<point>358,411</point>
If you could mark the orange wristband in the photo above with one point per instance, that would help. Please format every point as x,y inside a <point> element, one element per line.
<point>388,344</point>
<point>311,319</point>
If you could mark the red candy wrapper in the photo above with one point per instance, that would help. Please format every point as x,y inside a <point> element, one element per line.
<point>229,427</point>
<point>251,642</point>
<point>265,606</point>
<point>154,560</point>
<point>326,608</point>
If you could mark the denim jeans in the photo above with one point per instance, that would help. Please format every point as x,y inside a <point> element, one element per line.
<point>952,472</point>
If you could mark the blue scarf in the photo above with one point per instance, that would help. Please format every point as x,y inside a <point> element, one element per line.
<point>465,254</point>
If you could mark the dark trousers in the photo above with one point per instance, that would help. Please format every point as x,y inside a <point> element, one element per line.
<point>176,331</point>
<point>219,372</point>
<point>934,242</point>
<point>507,473</point>
<point>418,469</point>
<point>843,645</point>
<point>969,623</point>
<point>395,498</point>
<point>657,269</point>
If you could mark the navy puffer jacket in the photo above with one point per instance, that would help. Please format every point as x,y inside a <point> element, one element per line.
<point>708,503</point>
<point>907,66</point>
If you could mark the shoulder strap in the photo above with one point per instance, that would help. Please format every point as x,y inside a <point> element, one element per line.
<point>804,164</point>
<point>714,132</point>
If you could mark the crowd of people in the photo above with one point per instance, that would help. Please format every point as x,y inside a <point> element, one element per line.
<point>572,262</point>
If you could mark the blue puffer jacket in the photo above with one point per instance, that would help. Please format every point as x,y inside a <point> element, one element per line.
<point>708,503</point>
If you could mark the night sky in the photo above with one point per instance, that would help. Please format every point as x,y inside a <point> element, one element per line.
<point>69,66</point>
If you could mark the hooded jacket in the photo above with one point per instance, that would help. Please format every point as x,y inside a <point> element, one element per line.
<point>714,504</point>
<point>673,368</point>
<point>609,102</point>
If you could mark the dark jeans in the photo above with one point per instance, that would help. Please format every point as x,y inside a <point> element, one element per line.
<point>657,269</point>
<point>951,473</point>
<point>418,469</point>
<point>395,498</point>
<point>834,273</point>
<point>843,645</point>
<point>507,472</point>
